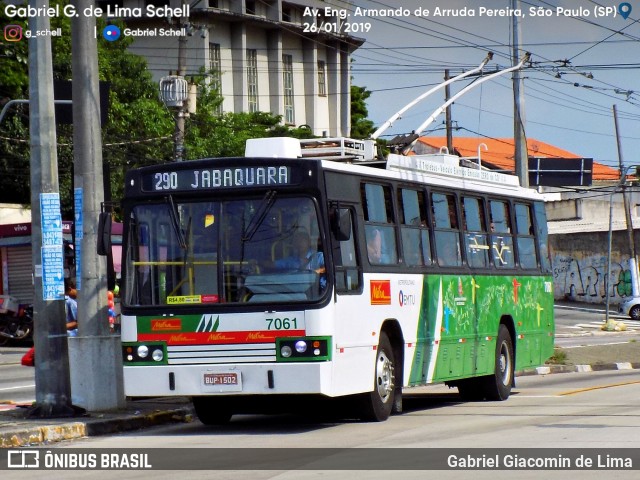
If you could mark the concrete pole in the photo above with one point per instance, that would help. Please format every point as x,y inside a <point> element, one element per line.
<point>447,113</point>
<point>95,355</point>
<point>53,390</point>
<point>608,325</point>
<point>520,152</point>
<point>178,154</point>
<point>627,209</point>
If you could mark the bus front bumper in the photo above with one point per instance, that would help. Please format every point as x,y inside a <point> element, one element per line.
<point>245,379</point>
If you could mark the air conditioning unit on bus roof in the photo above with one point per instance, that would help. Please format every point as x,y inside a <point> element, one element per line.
<point>273,147</point>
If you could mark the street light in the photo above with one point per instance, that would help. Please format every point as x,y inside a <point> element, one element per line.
<point>174,92</point>
<point>608,325</point>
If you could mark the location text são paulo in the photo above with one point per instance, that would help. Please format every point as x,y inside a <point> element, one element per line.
<point>595,11</point>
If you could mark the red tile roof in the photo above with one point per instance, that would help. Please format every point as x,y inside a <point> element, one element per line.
<point>500,151</point>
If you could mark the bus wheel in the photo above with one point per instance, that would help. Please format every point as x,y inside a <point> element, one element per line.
<point>376,405</point>
<point>498,385</point>
<point>212,411</point>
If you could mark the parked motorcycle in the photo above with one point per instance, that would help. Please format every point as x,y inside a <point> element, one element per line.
<point>16,321</point>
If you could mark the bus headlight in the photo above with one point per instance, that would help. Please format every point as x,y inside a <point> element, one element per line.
<point>307,349</point>
<point>157,355</point>
<point>301,346</point>
<point>135,353</point>
<point>143,351</point>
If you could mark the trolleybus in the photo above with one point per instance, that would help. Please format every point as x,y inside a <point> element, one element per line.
<point>318,272</point>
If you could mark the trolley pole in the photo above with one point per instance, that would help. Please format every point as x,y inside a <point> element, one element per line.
<point>95,355</point>
<point>53,389</point>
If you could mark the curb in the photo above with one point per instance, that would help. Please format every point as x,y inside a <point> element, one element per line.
<point>20,435</point>
<point>598,367</point>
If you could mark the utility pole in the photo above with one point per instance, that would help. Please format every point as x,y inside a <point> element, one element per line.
<point>182,71</point>
<point>53,389</point>
<point>633,267</point>
<point>95,355</point>
<point>447,113</point>
<point>521,154</point>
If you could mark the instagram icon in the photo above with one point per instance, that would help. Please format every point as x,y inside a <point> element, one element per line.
<point>13,33</point>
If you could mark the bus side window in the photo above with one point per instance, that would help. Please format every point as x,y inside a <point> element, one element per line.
<point>414,233</point>
<point>347,271</point>
<point>525,240</point>
<point>379,224</point>
<point>542,235</point>
<point>475,235</point>
<point>501,237</point>
<point>446,233</point>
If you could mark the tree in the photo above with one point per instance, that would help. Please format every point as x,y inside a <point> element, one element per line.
<point>135,114</point>
<point>139,128</point>
<point>361,126</point>
<point>212,134</point>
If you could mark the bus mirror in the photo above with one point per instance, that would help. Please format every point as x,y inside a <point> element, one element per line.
<point>104,234</point>
<point>342,224</point>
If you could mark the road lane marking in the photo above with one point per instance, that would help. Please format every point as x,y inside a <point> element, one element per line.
<point>598,387</point>
<point>16,388</point>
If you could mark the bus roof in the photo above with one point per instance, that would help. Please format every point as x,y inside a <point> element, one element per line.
<point>349,155</point>
<point>433,171</point>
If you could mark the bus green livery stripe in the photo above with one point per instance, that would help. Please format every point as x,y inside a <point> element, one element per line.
<point>459,318</point>
<point>437,334</point>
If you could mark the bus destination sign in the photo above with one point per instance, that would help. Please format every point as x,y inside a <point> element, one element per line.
<point>217,178</point>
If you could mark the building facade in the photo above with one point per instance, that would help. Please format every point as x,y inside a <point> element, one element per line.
<point>273,56</point>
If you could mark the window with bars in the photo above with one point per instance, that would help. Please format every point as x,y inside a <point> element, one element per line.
<point>287,73</point>
<point>215,70</point>
<point>322,78</point>
<point>252,79</point>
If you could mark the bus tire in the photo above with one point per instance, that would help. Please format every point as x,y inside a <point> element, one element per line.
<point>376,405</point>
<point>498,385</point>
<point>212,411</point>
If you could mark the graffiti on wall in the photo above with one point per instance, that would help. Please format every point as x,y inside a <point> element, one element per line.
<point>584,279</point>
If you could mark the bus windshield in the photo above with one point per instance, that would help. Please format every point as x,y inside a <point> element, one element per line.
<point>265,249</point>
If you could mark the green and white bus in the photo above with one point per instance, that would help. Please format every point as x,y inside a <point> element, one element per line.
<point>415,271</point>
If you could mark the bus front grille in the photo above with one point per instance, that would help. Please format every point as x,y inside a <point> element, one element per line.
<point>221,354</point>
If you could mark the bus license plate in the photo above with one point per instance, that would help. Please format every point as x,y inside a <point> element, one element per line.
<point>222,381</point>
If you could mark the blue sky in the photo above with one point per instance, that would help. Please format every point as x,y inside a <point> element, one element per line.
<point>406,55</point>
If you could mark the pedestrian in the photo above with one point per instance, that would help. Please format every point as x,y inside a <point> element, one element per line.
<point>71,309</point>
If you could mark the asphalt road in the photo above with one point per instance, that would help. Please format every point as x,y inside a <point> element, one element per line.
<point>593,414</point>
<point>575,326</point>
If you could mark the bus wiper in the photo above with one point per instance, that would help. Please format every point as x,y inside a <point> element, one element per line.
<point>173,213</point>
<point>258,217</point>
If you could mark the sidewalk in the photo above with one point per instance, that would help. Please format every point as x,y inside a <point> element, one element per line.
<point>18,431</point>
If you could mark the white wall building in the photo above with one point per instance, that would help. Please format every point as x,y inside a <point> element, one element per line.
<point>266,55</point>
